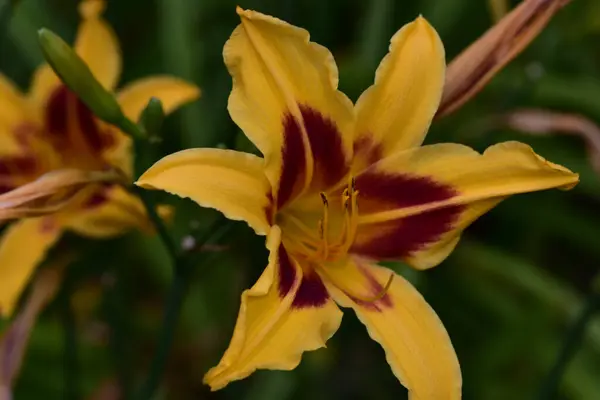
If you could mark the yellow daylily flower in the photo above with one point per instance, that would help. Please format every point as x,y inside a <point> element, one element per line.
<point>50,128</point>
<point>340,188</point>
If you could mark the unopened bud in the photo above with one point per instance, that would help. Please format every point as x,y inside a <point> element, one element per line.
<point>152,117</point>
<point>468,73</point>
<point>76,75</point>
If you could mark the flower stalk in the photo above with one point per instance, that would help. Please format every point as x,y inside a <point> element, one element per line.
<point>71,351</point>
<point>77,77</point>
<point>572,342</point>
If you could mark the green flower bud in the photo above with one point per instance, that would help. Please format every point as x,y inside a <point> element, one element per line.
<point>152,117</point>
<point>77,76</point>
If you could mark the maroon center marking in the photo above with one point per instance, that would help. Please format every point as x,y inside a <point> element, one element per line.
<point>56,111</point>
<point>384,192</point>
<point>310,293</point>
<point>287,272</point>
<point>330,163</point>
<point>15,170</point>
<point>64,105</point>
<point>293,160</point>
<point>375,288</point>
<point>98,197</point>
<point>17,165</point>
<point>402,237</point>
<point>4,188</point>
<point>327,148</point>
<point>89,127</point>
<point>366,151</point>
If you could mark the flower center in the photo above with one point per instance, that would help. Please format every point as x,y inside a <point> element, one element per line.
<point>330,238</point>
<point>333,234</point>
<point>73,132</point>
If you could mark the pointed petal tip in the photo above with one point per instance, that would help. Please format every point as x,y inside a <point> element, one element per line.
<point>573,180</point>
<point>569,177</point>
<point>211,379</point>
<point>241,12</point>
<point>91,8</point>
<point>421,29</point>
<point>195,92</point>
<point>247,15</point>
<point>422,22</point>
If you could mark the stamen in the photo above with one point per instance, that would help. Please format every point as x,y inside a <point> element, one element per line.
<point>303,228</point>
<point>345,195</point>
<point>351,218</point>
<point>323,227</point>
<point>324,199</point>
<point>305,246</point>
<point>321,249</point>
<point>363,299</point>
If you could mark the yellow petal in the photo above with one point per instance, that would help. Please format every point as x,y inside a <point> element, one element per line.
<point>286,101</point>
<point>395,113</point>
<point>417,203</point>
<point>229,181</point>
<point>271,333</point>
<point>43,84</point>
<point>110,213</point>
<point>98,45</point>
<point>13,106</point>
<point>416,344</point>
<point>172,92</point>
<point>22,248</point>
<point>13,111</point>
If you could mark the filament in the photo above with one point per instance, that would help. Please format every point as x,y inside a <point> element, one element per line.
<point>364,299</point>
<point>324,228</point>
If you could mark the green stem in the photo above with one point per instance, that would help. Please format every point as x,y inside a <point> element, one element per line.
<point>131,129</point>
<point>117,314</point>
<point>173,309</point>
<point>181,264</point>
<point>169,324</point>
<point>71,358</point>
<point>172,248</point>
<point>570,346</point>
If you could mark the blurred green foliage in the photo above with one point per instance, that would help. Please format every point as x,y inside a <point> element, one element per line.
<point>506,295</point>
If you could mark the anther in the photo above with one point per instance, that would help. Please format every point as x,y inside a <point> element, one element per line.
<point>324,199</point>
<point>323,249</point>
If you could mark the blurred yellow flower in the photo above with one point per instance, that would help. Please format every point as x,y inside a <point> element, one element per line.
<point>339,188</point>
<point>50,128</point>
